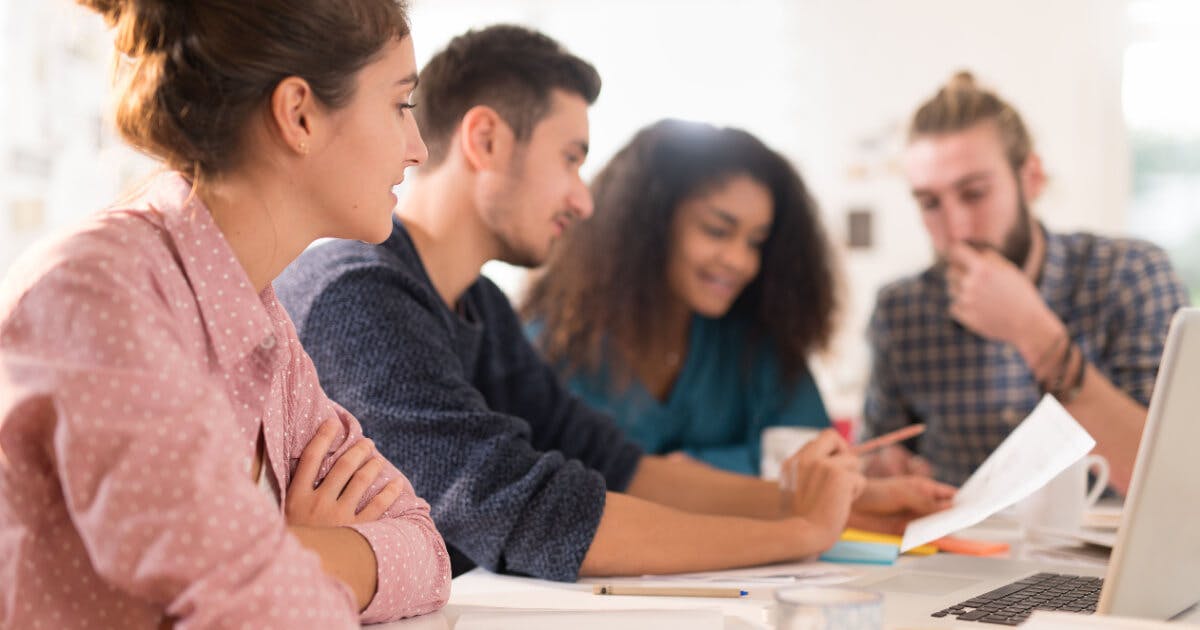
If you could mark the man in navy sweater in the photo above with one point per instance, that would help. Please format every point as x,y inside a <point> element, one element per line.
<point>429,355</point>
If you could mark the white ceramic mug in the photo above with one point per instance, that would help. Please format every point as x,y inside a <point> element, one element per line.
<point>778,444</point>
<point>1060,504</point>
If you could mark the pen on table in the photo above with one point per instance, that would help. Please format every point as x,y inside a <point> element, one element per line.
<point>667,591</point>
<point>887,439</point>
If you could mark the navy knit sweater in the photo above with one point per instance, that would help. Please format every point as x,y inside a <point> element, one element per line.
<point>514,467</point>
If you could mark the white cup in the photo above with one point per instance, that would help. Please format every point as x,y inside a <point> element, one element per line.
<point>778,444</point>
<point>1060,504</point>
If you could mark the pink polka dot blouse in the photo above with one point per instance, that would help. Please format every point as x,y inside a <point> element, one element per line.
<point>137,368</point>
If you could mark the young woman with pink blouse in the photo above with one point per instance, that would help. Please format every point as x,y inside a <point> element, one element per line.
<point>167,455</point>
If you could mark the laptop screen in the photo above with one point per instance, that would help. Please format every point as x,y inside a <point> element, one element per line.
<point>1155,568</point>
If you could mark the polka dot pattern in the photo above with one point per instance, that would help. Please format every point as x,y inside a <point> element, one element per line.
<point>137,368</point>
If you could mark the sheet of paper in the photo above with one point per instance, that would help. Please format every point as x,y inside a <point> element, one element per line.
<point>503,619</point>
<point>815,573</point>
<point>1043,445</point>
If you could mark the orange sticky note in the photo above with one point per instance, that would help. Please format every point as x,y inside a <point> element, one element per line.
<point>968,547</point>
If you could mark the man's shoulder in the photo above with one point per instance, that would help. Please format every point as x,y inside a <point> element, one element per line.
<point>1115,256</point>
<point>485,291</point>
<point>908,290</point>
<point>333,256</point>
<point>1084,241</point>
<point>340,265</point>
<point>495,309</point>
<point>323,264</point>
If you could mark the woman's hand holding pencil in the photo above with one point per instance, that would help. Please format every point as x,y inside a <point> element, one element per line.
<point>820,482</point>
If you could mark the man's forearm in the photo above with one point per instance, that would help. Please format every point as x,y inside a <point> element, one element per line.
<point>1110,415</point>
<point>694,487</point>
<point>345,555</point>
<point>638,537</point>
<point>1114,419</point>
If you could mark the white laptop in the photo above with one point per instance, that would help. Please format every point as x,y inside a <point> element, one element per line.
<point>1154,570</point>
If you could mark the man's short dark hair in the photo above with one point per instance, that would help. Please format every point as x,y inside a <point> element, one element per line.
<point>509,68</point>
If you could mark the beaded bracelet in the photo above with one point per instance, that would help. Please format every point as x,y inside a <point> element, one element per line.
<point>1072,392</point>
<point>1066,392</point>
<point>1051,352</point>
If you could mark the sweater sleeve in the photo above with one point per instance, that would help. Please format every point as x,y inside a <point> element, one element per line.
<point>516,380</point>
<point>385,351</point>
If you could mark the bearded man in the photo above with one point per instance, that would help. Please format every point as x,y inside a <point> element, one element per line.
<point>1009,311</point>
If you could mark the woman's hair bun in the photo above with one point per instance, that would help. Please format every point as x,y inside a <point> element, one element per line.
<point>143,26</point>
<point>110,9</point>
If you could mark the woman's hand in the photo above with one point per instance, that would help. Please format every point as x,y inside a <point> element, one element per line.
<point>895,460</point>
<point>887,505</point>
<point>334,501</point>
<point>820,482</point>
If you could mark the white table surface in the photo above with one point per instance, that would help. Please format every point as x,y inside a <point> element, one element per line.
<point>479,591</point>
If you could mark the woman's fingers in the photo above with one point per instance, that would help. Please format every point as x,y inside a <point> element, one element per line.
<point>335,499</point>
<point>346,466</point>
<point>361,481</point>
<point>314,453</point>
<point>827,443</point>
<point>379,504</point>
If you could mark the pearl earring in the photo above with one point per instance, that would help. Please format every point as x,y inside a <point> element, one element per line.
<point>303,147</point>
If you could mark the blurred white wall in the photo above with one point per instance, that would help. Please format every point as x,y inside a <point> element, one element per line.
<point>59,157</point>
<point>830,83</point>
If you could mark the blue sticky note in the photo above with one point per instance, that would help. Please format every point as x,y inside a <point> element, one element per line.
<point>862,552</point>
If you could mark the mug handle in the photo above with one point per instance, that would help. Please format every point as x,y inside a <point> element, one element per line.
<point>1098,465</point>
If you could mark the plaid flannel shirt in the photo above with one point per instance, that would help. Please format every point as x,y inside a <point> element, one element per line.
<point>1115,296</point>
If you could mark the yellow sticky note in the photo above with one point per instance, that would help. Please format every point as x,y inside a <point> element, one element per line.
<point>858,535</point>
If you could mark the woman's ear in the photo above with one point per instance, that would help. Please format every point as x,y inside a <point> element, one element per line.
<point>293,114</point>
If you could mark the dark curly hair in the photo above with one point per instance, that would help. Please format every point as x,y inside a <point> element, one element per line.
<point>607,278</point>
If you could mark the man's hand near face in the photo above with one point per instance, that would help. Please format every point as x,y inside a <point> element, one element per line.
<point>995,299</point>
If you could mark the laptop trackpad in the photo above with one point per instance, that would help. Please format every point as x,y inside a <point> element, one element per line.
<point>922,583</point>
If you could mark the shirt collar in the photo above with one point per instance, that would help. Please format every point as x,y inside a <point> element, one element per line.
<point>1053,283</point>
<point>233,315</point>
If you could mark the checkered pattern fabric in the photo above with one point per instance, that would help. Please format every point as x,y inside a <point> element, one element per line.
<point>1116,297</point>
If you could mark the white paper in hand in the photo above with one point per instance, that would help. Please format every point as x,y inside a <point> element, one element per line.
<point>1043,445</point>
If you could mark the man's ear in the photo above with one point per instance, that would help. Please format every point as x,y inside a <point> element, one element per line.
<point>485,139</point>
<point>1033,177</point>
<point>293,114</point>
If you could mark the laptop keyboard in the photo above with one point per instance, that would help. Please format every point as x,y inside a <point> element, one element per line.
<point>1012,604</point>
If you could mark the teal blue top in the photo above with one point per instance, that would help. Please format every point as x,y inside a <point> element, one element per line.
<point>719,405</point>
